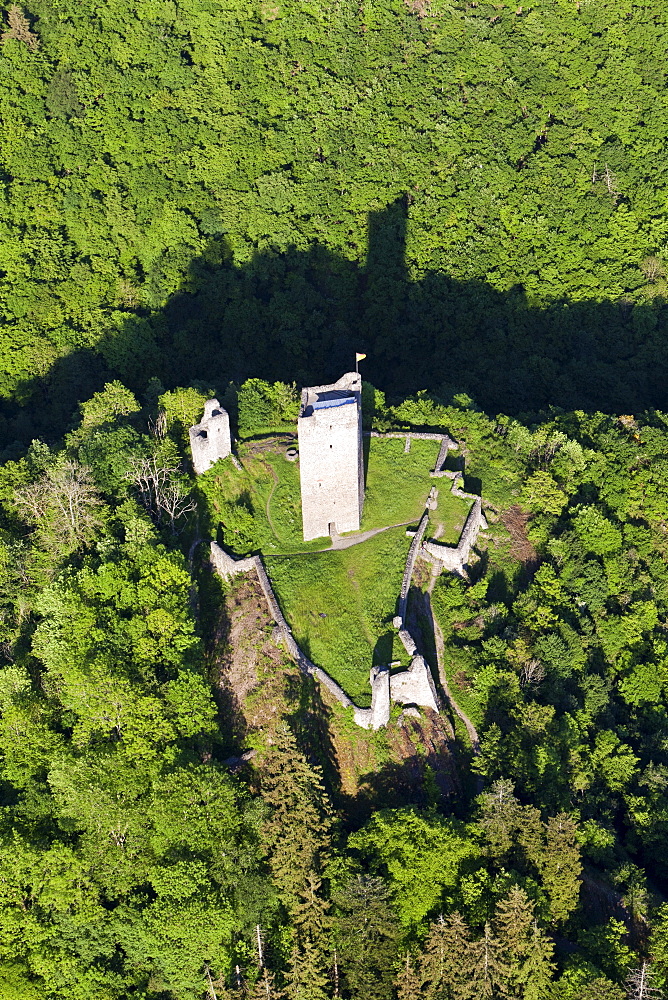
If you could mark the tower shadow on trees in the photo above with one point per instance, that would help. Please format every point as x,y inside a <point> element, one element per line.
<point>301,315</point>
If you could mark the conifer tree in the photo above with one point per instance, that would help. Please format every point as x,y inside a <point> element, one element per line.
<point>487,968</point>
<point>365,933</point>
<point>408,983</point>
<point>298,828</point>
<point>560,866</point>
<point>600,988</point>
<point>447,961</point>
<point>525,952</point>
<point>297,836</point>
<point>265,988</point>
<point>307,977</point>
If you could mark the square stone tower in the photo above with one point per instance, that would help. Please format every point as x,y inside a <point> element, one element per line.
<point>210,439</point>
<point>331,463</point>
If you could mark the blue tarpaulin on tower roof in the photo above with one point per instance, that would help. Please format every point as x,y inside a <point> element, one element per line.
<point>326,404</point>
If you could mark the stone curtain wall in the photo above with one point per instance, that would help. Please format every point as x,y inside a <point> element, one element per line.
<point>413,553</point>
<point>446,444</point>
<point>414,686</point>
<point>455,560</point>
<point>228,567</point>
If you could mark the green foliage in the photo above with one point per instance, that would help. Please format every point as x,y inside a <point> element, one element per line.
<point>121,870</point>
<point>62,98</point>
<point>596,533</point>
<point>541,495</point>
<point>441,216</point>
<point>133,863</point>
<point>264,407</point>
<point>422,857</point>
<point>182,409</point>
<point>365,935</point>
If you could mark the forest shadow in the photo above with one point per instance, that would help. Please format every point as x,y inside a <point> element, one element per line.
<point>299,316</point>
<point>309,719</point>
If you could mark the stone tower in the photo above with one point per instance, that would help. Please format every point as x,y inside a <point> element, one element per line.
<point>210,439</point>
<point>331,465</point>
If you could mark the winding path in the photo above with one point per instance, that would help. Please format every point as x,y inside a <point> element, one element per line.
<point>267,506</point>
<point>342,541</point>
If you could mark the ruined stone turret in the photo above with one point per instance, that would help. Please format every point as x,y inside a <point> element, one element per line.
<point>210,439</point>
<point>330,457</point>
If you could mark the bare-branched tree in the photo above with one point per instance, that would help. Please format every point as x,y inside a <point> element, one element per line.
<point>158,427</point>
<point>641,984</point>
<point>63,503</point>
<point>161,490</point>
<point>532,673</point>
<point>653,268</point>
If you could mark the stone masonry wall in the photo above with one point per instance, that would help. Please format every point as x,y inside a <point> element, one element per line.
<point>211,439</point>
<point>414,686</point>
<point>410,565</point>
<point>227,566</point>
<point>446,444</point>
<point>455,559</point>
<point>330,459</point>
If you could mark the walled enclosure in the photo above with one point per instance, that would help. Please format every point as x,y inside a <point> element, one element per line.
<point>455,560</point>
<point>331,469</point>
<point>414,686</point>
<point>210,439</point>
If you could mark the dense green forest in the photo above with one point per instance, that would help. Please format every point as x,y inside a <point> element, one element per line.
<point>473,192</point>
<point>142,855</point>
<point>201,197</point>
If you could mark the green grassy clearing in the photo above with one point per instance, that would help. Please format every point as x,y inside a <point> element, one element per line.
<point>397,484</point>
<point>259,508</point>
<point>447,521</point>
<point>356,589</point>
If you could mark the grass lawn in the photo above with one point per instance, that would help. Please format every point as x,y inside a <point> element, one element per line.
<point>259,508</point>
<point>268,489</point>
<point>340,606</point>
<point>447,521</point>
<point>397,484</point>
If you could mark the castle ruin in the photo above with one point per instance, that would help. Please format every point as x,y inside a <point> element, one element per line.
<point>331,465</point>
<point>210,439</point>
<point>332,495</point>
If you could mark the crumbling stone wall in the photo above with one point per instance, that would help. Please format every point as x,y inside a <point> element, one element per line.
<point>446,444</point>
<point>410,565</point>
<point>379,713</point>
<point>455,559</point>
<point>210,439</point>
<point>415,686</point>
<point>228,567</point>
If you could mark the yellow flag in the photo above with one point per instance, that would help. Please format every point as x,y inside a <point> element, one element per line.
<point>359,357</point>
